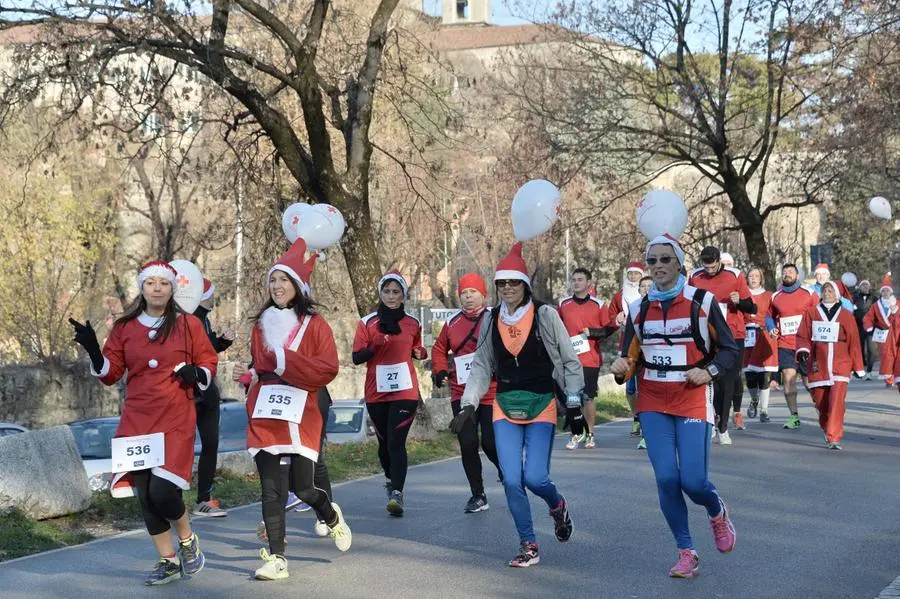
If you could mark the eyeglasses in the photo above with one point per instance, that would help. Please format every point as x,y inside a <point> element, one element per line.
<point>508,283</point>
<point>661,260</point>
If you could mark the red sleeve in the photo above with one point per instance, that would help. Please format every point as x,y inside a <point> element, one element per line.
<point>869,318</point>
<point>856,362</point>
<point>203,354</point>
<point>417,342</point>
<point>361,339</point>
<point>615,305</point>
<point>743,290</point>
<point>317,364</point>
<point>889,348</point>
<point>605,320</point>
<point>113,352</point>
<point>804,333</point>
<point>440,349</point>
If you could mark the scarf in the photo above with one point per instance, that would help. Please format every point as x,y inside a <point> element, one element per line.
<point>473,315</point>
<point>790,288</point>
<point>831,309</point>
<point>515,317</point>
<point>661,296</point>
<point>389,320</point>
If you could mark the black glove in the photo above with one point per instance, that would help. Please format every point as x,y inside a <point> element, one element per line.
<point>803,364</point>
<point>87,338</point>
<point>467,413</point>
<point>439,378</point>
<point>191,375</point>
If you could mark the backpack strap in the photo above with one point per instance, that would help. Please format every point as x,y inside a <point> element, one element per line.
<point>696,304</point>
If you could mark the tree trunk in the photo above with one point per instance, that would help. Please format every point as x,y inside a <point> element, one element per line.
<point>358,247</point>
<point>751,223</point>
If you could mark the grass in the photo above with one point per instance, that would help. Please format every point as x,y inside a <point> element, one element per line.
<point>610,407</point>
<point>355,460</point>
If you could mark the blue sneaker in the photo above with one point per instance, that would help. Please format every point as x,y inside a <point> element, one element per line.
<point>165,571</point>
<point>192,559</point>
<point>395,504</point>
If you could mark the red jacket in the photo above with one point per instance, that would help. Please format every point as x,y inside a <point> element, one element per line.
<point>392,362</point>
<point>789,306</point>
<point>156,401</point>
<point>577,315</point>
<point>722,285</point>
<point>830,361</point>
<point>459,328</point>
<point>762,356</point>
<point>890,351</point>
<point>877,317</point>
<point>307,361</point>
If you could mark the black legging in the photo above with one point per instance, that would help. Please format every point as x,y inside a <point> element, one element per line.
<point>274,483</point>
<point>468,445</point>
<point>757,380</point>
<point>728,391</point>
<point>208,427</point>
<point>392,420</point>
<point>161,501</point>
<point>321,478</point>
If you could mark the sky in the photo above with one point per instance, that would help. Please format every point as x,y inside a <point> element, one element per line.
<point>500,12</point>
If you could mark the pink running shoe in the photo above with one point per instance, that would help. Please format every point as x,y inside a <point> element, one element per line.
<point>723,530</point>
<point>687,566</point>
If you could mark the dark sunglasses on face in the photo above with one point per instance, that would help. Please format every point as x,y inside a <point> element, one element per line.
<point>661,260</point>
<point>508,283</point>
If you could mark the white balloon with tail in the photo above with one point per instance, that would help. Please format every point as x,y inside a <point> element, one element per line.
<point>880,207</point>
<point>188,285</point>
<point>535,209</point>
<point>661,212</point>
<point>321,225</point>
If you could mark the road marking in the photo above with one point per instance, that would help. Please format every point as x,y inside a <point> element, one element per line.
<point>892,591</point>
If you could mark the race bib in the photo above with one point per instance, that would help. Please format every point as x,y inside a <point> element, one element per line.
<point>880,335</point>
<point>464,367</point>
<point>392,377</point>
<point>280,402</point>
<point>750,338</point>
<point>138,453</point>
<point>824,331</point>
<point>789,325</point>
<point>723,306</point>
<point>665,355</point>
<point>580,344</point>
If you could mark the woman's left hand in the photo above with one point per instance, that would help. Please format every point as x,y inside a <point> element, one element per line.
<point>419,353</point>
<point>698,376</point>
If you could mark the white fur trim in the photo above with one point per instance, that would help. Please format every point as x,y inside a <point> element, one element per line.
<point>279,361</point>
<point>151,322</point>
<point>286,449</point>
<point>103,371</point>
<point>860,373</point>
<point>207,295</point>
<point>157,270</point>
<point>515,275</point>
<point>276,325</point>
<point>304,287</point>
<point>200,385</point>
<point>171,477</point>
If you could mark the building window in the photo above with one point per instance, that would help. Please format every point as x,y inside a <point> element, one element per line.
<point>191,122</point>
<point>462,9</point>
<point>152,123</point>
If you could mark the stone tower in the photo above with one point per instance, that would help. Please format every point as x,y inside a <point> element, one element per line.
<point>466,12</point>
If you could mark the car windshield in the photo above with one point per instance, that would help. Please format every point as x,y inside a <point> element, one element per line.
<point>94,438</point>
<point>233,423</point>
<point>344,420</point>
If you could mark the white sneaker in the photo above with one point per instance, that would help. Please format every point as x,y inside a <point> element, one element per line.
<point>341,532</point>
<point>321,529</point>
<point>575,441</point>
<point>210,509</point>
<point>274,568</point>
<point>725,438</point>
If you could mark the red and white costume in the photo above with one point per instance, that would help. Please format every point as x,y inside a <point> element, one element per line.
<point>625,297</point>
<point>458,341</point>
<point>760,350</point>
<point>395,354</point>
<point>877,321</point>
<point>577,315</point>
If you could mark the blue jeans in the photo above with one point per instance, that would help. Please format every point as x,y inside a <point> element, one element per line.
<point>537,441</point>
<point>678,449</point>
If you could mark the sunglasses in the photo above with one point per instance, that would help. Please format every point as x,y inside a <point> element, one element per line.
<point>508,283</point>
<point>661,260</point>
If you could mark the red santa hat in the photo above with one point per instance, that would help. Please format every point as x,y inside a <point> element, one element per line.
<point>393,275</point>
<point>293,265</point>
<point>669,241</point>
<point>823,268</point>
<point>208,290</point>
<point>886,283</point>
<point>635,267</point>
<point>156,268</point>
<point>512,267</point>
<point>471,280</point>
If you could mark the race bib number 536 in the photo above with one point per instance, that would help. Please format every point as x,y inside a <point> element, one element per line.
<point>138,453</point>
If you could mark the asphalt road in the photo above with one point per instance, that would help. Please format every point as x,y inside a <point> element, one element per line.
<point>810,523</point>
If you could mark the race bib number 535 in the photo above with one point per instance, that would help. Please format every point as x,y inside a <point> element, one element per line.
<point>280,402</point>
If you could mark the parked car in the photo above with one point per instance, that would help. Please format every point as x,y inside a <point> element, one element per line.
<point>232,427</point>
<point>348,420</point>
<point>8,428</point>
<point>94,440</point>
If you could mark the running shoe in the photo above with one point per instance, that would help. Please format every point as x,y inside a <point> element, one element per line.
<point>340,532</point>
<point>687,566</point>
<point>764,417</point>
<point>192,559</point>
<point>477,503</point>
<point>294,503</point>
<point>739,421</point>
<point>575,441</point>
<point>320,529</point>
<point>752,409</point>
<point>165,571</point>
<point>793,422</point>
<point>210,508</point>
<point>724,438</point>
<point>589,442</point>
<point>834,445</point>
<point>528,556</point>
<point>395,504</point>
<point>273,568</point>
<point>642,444</point>
<point>562,522</point>
<point>723,530</point>
<point>635,428</point>
<point>388,488</point>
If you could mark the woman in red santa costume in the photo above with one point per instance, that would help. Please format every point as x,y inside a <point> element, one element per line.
<point>827,353</point>
<point>877,322</point>
<point>294,355</point>
<point>165,354</point>
<point>618,310</point>
<point>760,350</point>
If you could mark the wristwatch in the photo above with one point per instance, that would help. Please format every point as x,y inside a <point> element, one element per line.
<point>713,370</point>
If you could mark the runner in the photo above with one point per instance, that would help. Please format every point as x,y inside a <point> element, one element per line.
<point>646,284</point>
<point>786,310</point>
<point>294,355</point>
<point>761,350</point>
<point>822,275</point>
<point>387,341</point>
<point>674,397</point>
<point>618,311</point>
<point>207,403</point>
<point>165,354</point>
<point>863,299</point>
<point>526,344</point>
<point>827,351</point>
<point>586,319</point>
<point>457,341</point>
<point>877,321</point>
<point>735,302</point>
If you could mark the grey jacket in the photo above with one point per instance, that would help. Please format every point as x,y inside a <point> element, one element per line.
<point>566,366</point>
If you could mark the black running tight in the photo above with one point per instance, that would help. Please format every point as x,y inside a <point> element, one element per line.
<point>392,420</point>
<point>468,445</point>
<point>161,501</point>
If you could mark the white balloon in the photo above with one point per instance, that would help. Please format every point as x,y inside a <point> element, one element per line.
<point>661,211</point>
<point>880,207</point>
<point>336,221</point>
<point>535,208</point>
<point>291,217</point>
<point>188,285</point>
<point>848,279</point>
